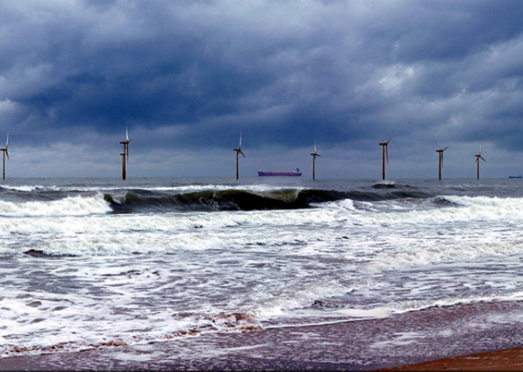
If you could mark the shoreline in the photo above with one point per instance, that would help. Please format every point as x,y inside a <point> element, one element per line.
<point>90,360</point>
<point>420,340</point>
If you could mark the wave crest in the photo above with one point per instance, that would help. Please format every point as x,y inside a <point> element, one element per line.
<point>69,206</point>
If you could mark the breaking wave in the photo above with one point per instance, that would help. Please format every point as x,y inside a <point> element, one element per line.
<point>68,206</point>
<point>230,200</point>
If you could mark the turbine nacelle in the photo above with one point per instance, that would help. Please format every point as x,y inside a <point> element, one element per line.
<point>385,145</point>
<point>239,149</point>
<point>127,140</point>
<point>478,156</point>
<point>238,152</point>
<point>126,145</point>
<point>440,149</point>
<point>6,146</point>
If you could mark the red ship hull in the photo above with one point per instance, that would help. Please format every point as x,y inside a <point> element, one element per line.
<point>279,174</point>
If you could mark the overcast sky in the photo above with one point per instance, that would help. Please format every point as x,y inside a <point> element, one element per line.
<point>186,77</point>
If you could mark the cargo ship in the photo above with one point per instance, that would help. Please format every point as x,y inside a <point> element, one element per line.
<point>294,173</point>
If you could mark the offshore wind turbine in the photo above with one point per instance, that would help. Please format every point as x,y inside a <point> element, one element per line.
<point>478,156</point>
<point>385,147</point>
<point>6,151</point>
<point>238,152</point>
<point>440,151</point>
<point>314,154</point>
<point>125,154</point>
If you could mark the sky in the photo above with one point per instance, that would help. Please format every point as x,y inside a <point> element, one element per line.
<point>187,77</point>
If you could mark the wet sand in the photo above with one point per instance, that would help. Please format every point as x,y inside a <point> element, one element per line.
<point>499,360</point>
<point>502,360</point>
<point>399,340</point>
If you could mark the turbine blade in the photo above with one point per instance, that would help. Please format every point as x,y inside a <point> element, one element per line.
<point>391,137</point>
<point>446,147</point>
<point>240,145</point>
<point>382,139</point>
<point>314,146</point>
<point>7,140</point>
<point>241,152</point>
<point>439,145</point>
<point>7,153</point>
<point>126,134</point>
<point>482,158</point>
<point>480,149</point>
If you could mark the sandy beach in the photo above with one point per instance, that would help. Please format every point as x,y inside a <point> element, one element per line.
<point>498,360</point>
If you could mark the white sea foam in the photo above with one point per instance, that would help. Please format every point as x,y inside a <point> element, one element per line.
<point>480,227</point>
<point>25,188</point>
<point>400,307</point>
<point>470,209</point>
<point>70,206</point>
<point>415,254</point>
<point>401,338</point>
<point>292,299</point>
<point>346,204</point>
<point>176,189</point>
<point>333,316</point>
<point>109,234</point>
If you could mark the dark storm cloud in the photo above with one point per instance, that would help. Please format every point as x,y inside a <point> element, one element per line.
<point>193,74</point>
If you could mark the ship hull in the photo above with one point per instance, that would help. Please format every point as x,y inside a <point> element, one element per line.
<point>279,174</point>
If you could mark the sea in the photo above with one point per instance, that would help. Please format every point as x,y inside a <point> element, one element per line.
<point>165,272</point>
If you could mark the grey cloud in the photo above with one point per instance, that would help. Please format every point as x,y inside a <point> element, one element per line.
<point>194,74</point>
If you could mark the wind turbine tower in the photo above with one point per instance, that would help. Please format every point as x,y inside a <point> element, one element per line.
<point>238,152</point>
<point>478,156</point>
<point>385,147</point>
<point>440,151</point>
<point>5,151</point>
<point>314,154</point>
<point>125,154</point>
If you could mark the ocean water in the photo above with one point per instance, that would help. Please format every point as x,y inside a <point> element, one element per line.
<point>103,263</point>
